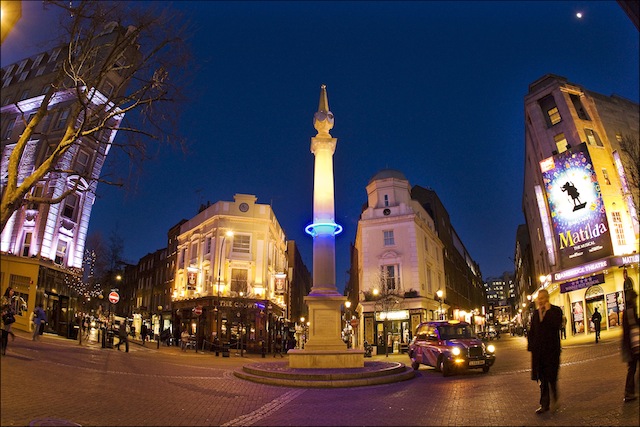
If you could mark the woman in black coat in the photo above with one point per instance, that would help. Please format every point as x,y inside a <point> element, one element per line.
<point>544,345</point>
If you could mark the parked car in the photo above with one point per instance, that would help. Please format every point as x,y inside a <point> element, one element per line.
<point>449,346</point>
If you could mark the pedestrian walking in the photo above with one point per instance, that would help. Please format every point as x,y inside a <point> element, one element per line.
<point>8,318</point>
<point>563,331</point>
<point>184,339</point>
<point>544,345</point>
<point>596,318</point>
<point>143,333</point>
<point>630,342</point>
<point>39,320</point>
<point>123,335</point>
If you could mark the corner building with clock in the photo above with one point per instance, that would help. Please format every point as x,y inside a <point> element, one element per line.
<point>232,276</point>
<point>580,200</point>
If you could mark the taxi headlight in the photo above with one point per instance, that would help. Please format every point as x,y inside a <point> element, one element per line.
<point>455,351</point>
<point>491,348</point>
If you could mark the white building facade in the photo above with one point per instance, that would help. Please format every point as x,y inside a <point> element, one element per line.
<point>400,264</point>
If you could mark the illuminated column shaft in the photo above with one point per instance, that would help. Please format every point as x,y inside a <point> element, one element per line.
<point>324,250</point>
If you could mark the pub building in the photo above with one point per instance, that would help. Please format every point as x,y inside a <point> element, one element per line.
<point>231,281</point>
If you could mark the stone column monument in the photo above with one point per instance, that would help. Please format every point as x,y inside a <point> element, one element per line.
<point>324,348</point>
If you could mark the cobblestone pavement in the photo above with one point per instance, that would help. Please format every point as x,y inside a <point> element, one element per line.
<point>59,382</point>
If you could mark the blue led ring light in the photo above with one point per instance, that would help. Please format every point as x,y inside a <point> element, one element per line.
<point>312,229</point>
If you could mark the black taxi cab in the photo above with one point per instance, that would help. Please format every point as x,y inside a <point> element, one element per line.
<point>449,346</point>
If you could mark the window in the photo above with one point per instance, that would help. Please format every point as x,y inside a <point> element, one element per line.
<point>7,100</point>
<point>7,82</point>
<point>54,55</point>
<point>390,277</point>
<point>9,130</point>
<point>38,60</point>
<point>426,245</point>
<point>605,174</point>
<point>561,142</point>
<point>27,244</point>
<point>207,245</point>
<point>20,285</point>
<point>70,205</point>
<point>592,137</point>
<point>242,243</point>
<point>108,89</point>
<point>386,200</point>
<point>554,115</point>
<point>239,280</point>
<point>61,252</point>
<point>21,67</point>
<point>23,76</point>
<point>550,110</point>
<point>62,119</point>
<point>388,238</point>
<point>40,71</point>
<point>24,94</point>
<point>577,104</point>
<point>82,161</point>
<point>429,281</point>
<point>618,228</point>
<point>193,254</point>
<point>618,136</point>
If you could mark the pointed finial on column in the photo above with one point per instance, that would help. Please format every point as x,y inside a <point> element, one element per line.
<point>323,118</point>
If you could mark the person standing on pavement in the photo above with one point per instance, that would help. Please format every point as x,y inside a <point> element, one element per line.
<point>184,339</point>
<point>596,318</point>
<point>143,333</point>
<point>39,319</point>
<point>543,342</point>
<point>563,331</point>
<point>8,318</point>
<point>123,336</point>
<point>630,343</point>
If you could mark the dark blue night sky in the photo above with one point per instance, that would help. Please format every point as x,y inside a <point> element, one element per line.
<point>433,89</point>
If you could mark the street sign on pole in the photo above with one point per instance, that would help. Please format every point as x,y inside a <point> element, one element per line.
<point>354,322</point>
<point>114,297</point>
<point>197,310</point>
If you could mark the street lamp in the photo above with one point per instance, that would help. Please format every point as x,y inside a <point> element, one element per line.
<point>347,318</point>
<point>439,293</point>
<point>229,233</point>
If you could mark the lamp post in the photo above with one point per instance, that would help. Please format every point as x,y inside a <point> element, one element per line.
<point>347,318</point>
<point>439,293</point>
<point>229,233</point>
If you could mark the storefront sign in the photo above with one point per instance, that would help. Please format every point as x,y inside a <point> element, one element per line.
<point>392,315</point>
<point>581,270</point>
<point>585,282</point>
<point>577,211</point>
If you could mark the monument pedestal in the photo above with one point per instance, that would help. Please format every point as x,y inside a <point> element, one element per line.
<point>324,347</point>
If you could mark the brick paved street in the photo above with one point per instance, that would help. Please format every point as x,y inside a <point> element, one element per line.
<point>57,380</point>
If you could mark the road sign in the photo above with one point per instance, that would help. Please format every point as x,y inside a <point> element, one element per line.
<point>354,322</point>
<point>197,311</point>
<point>114,297</point>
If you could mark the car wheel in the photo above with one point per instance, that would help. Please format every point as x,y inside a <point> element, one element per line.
<point>485,369</point>
<point>415,365</point>
<point>444,368</point>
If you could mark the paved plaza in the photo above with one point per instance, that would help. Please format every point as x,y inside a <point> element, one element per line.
<point>58,382</point>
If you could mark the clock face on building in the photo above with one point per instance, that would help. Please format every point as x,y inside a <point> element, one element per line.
<point>244,207</point>
<point>386,211</point>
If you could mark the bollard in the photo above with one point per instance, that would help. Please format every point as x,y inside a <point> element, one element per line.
<point>263,351</point>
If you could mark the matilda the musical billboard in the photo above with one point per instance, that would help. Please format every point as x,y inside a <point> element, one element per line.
<point>577,212</point>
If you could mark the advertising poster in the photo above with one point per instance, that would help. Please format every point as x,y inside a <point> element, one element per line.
<point>577,312</point>
<point>578,218</point>
<point>615,307</point>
